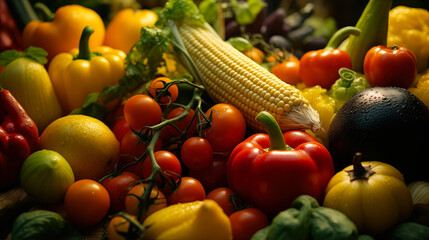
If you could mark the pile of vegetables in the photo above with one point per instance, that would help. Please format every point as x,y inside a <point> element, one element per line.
<point>212,131</point>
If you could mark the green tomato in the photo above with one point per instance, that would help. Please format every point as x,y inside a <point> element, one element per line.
<point>45,176</point>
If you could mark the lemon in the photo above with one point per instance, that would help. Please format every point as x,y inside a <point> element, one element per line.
<point>88,144</point>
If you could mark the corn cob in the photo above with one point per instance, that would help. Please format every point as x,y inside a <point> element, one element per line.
<point>231,77</point>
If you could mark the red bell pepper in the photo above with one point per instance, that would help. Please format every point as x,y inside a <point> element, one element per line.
<point>19,137</point>
<point>320,67</point>
<point>271,170</point>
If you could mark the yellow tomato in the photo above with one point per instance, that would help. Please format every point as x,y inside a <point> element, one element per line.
<point>372,194</point>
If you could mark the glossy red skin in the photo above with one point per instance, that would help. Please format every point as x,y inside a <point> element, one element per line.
<point>385,66</point>
<point>118,187</point>
<point>246,222</point>
<point>19,137</point>
<point>320,67</point>
<point>214,176</point>
<point>169,164</point>
<point>271,180</point>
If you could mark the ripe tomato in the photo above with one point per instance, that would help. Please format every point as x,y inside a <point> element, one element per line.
<point>141,110</point>
<point>390,66</point>
<point>247,222</point>
<point>132,146</point>
<point>189,190</point>
<point>287,71</point>
<point>214,176</point>
<point>255,54</point>
<point>86,202</point>
<point>182,124</point>
<point>228,127</point>
<point>169,164</point>
<point>121,127</point>
<point>118,224</point>
<point>222,196</point>
<point>118,187</point>
<point>132,202</point>
<point>158,84</point>
<point>197,153</point>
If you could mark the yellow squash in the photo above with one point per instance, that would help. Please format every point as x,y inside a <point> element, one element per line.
<point>77,74</point>
<point>29,82</point>
<point>189,221</point>
<point>372,194</point>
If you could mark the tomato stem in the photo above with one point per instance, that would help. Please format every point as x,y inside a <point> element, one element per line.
<point>359,171</point>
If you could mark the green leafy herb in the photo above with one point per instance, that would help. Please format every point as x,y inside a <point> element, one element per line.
<point>181,10</point>
<point>246,12</point>
<point>35,53</point>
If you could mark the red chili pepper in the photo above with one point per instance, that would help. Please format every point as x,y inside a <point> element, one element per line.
<point>390,66</point>
<point>271,170</point>
<point>320,67</point>
<point>19,137</point>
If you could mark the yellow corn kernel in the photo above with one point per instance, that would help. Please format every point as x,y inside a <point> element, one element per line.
<point>231,77</point>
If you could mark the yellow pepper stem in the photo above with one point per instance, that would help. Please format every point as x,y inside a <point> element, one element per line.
<point>84,52</point>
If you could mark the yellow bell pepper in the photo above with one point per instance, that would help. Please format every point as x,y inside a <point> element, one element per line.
<point>422,88</point>
<point>372,194</point>
<point>189,221</point>
<point>409,27</point>
<point>61,31</point>
<point>322,103</point>
<point>124,29</point>
<point>77,74</point>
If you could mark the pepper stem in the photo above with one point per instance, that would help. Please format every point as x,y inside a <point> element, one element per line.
<point>340,35</point>
<point>84,52</point>
<point>347,76</point>
<point>46,14</point>
<point>277,141</point>
<point>359,171</point>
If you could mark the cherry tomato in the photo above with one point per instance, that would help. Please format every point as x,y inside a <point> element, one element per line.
<point>214,176</point>
<point>228,127</point>
<point>118,224</point>
<point>132,202</point>
<point>158,85</point>
<point>121,127</point>
<point>255,54</point>
<point>118,187</point>
<point>86,202</point>
<point>169,164</point>
<point>182,124</point>
<point>222,196</point>
<point>390,66</point>
<point>246,222</point>
<point>189,190</point>
<point>141,110</point>
<point>288,71</point>
<point>197,153</point>
<point>131,148</point>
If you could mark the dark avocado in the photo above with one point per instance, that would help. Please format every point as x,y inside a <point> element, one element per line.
<point>386,124</point>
